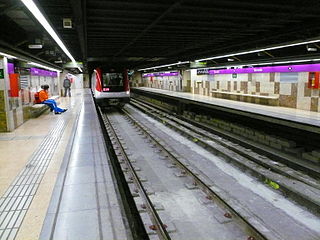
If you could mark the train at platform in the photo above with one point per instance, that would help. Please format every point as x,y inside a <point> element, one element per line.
<point>110,88</point>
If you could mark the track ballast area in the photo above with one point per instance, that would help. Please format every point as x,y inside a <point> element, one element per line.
<point>189,184</point>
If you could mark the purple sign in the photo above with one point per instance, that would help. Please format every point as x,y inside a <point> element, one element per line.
<point>169,74</point>
<point>148,75</point>
<point>41,72</point>
<point>287,68</point>
<point>160,74</point>
<point>10,68</point>
<point>34,71</point>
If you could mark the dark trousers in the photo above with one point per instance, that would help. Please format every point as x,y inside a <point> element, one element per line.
<point>67,90</point>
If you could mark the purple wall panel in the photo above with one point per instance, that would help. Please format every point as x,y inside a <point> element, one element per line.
<point>10,68</point>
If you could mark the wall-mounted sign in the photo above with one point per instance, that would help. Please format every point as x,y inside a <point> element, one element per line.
<point>41,72</point>
<point>198,64</point>
<point>1,73</point>
<point>234,75</point>
<point>73,65</point>
<point>160,74</point>
<point>203,71</point>
<point>24,81</point>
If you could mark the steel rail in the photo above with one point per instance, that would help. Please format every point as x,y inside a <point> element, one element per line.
<point>155,218</point>
<point>290,182</point>
<point>291,173</point>
<point>252,232</point>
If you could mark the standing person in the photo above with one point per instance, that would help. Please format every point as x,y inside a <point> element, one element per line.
<point>44,98</point>
<point>67,86</point>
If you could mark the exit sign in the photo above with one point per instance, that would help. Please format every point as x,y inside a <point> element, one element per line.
<point>234,75</point>
<point>1,73</point>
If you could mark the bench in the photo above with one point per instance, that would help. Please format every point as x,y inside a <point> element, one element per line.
<point>258,99</point>
<point>36,110</point>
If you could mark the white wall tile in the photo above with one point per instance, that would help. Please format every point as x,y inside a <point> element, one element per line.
<point>285,88</point>
<point>304,103</point>
<point>2,84</point>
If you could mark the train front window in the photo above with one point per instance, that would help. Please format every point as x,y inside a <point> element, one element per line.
<point>112,79</point>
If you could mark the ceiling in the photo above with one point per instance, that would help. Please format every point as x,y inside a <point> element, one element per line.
<point>142,33</point>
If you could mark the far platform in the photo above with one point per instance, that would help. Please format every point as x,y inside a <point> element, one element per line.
<point>296,118</point>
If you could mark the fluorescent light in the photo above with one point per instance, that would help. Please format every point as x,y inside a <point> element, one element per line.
<point>161,66</point>
<point>260,50</point>
<point>80,69</point>
<point>35,46</point>
<point>38,15</point>
<point>281,62</point>
<point>43,66</point>
<point>312,49</point>
<point>7,55</point>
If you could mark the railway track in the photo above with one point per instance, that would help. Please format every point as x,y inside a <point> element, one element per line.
<point>293,150</point>
<point>297,184</point>
<point>175,198</point>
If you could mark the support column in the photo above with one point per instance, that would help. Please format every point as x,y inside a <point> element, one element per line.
<point>5,125</point>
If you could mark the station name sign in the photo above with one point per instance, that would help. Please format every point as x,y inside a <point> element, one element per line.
<point>160,74</point>
<point>203,71</point>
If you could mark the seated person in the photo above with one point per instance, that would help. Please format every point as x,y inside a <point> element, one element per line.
<point>44,98</point>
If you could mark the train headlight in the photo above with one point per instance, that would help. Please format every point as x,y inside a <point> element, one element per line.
<point>127,92</point>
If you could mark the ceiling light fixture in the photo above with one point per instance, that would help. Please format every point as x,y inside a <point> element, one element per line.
<point>7,55</point>
<point>161,66</point>
<point>259,50</point>
<point>39,16</point>
<point>282,62</point>
<point>311,49</point>
<point>43,66</point>
<point>35,46</point>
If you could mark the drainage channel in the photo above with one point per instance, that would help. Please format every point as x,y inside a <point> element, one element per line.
<point>16,201</point>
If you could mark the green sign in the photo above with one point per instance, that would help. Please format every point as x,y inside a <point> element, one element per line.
<point>198,64</point>
<point>1,73</point>
<point>234,75</point>
<point>73,64</point>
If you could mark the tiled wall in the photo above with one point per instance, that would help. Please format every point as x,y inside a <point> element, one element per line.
<point>294,94</point>
<point>260,88</point>
<point>13,110</point>
<point>171,83</point>
<point>182,82</point>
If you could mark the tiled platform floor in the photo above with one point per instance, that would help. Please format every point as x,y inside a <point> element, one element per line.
<point>76,198</point>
